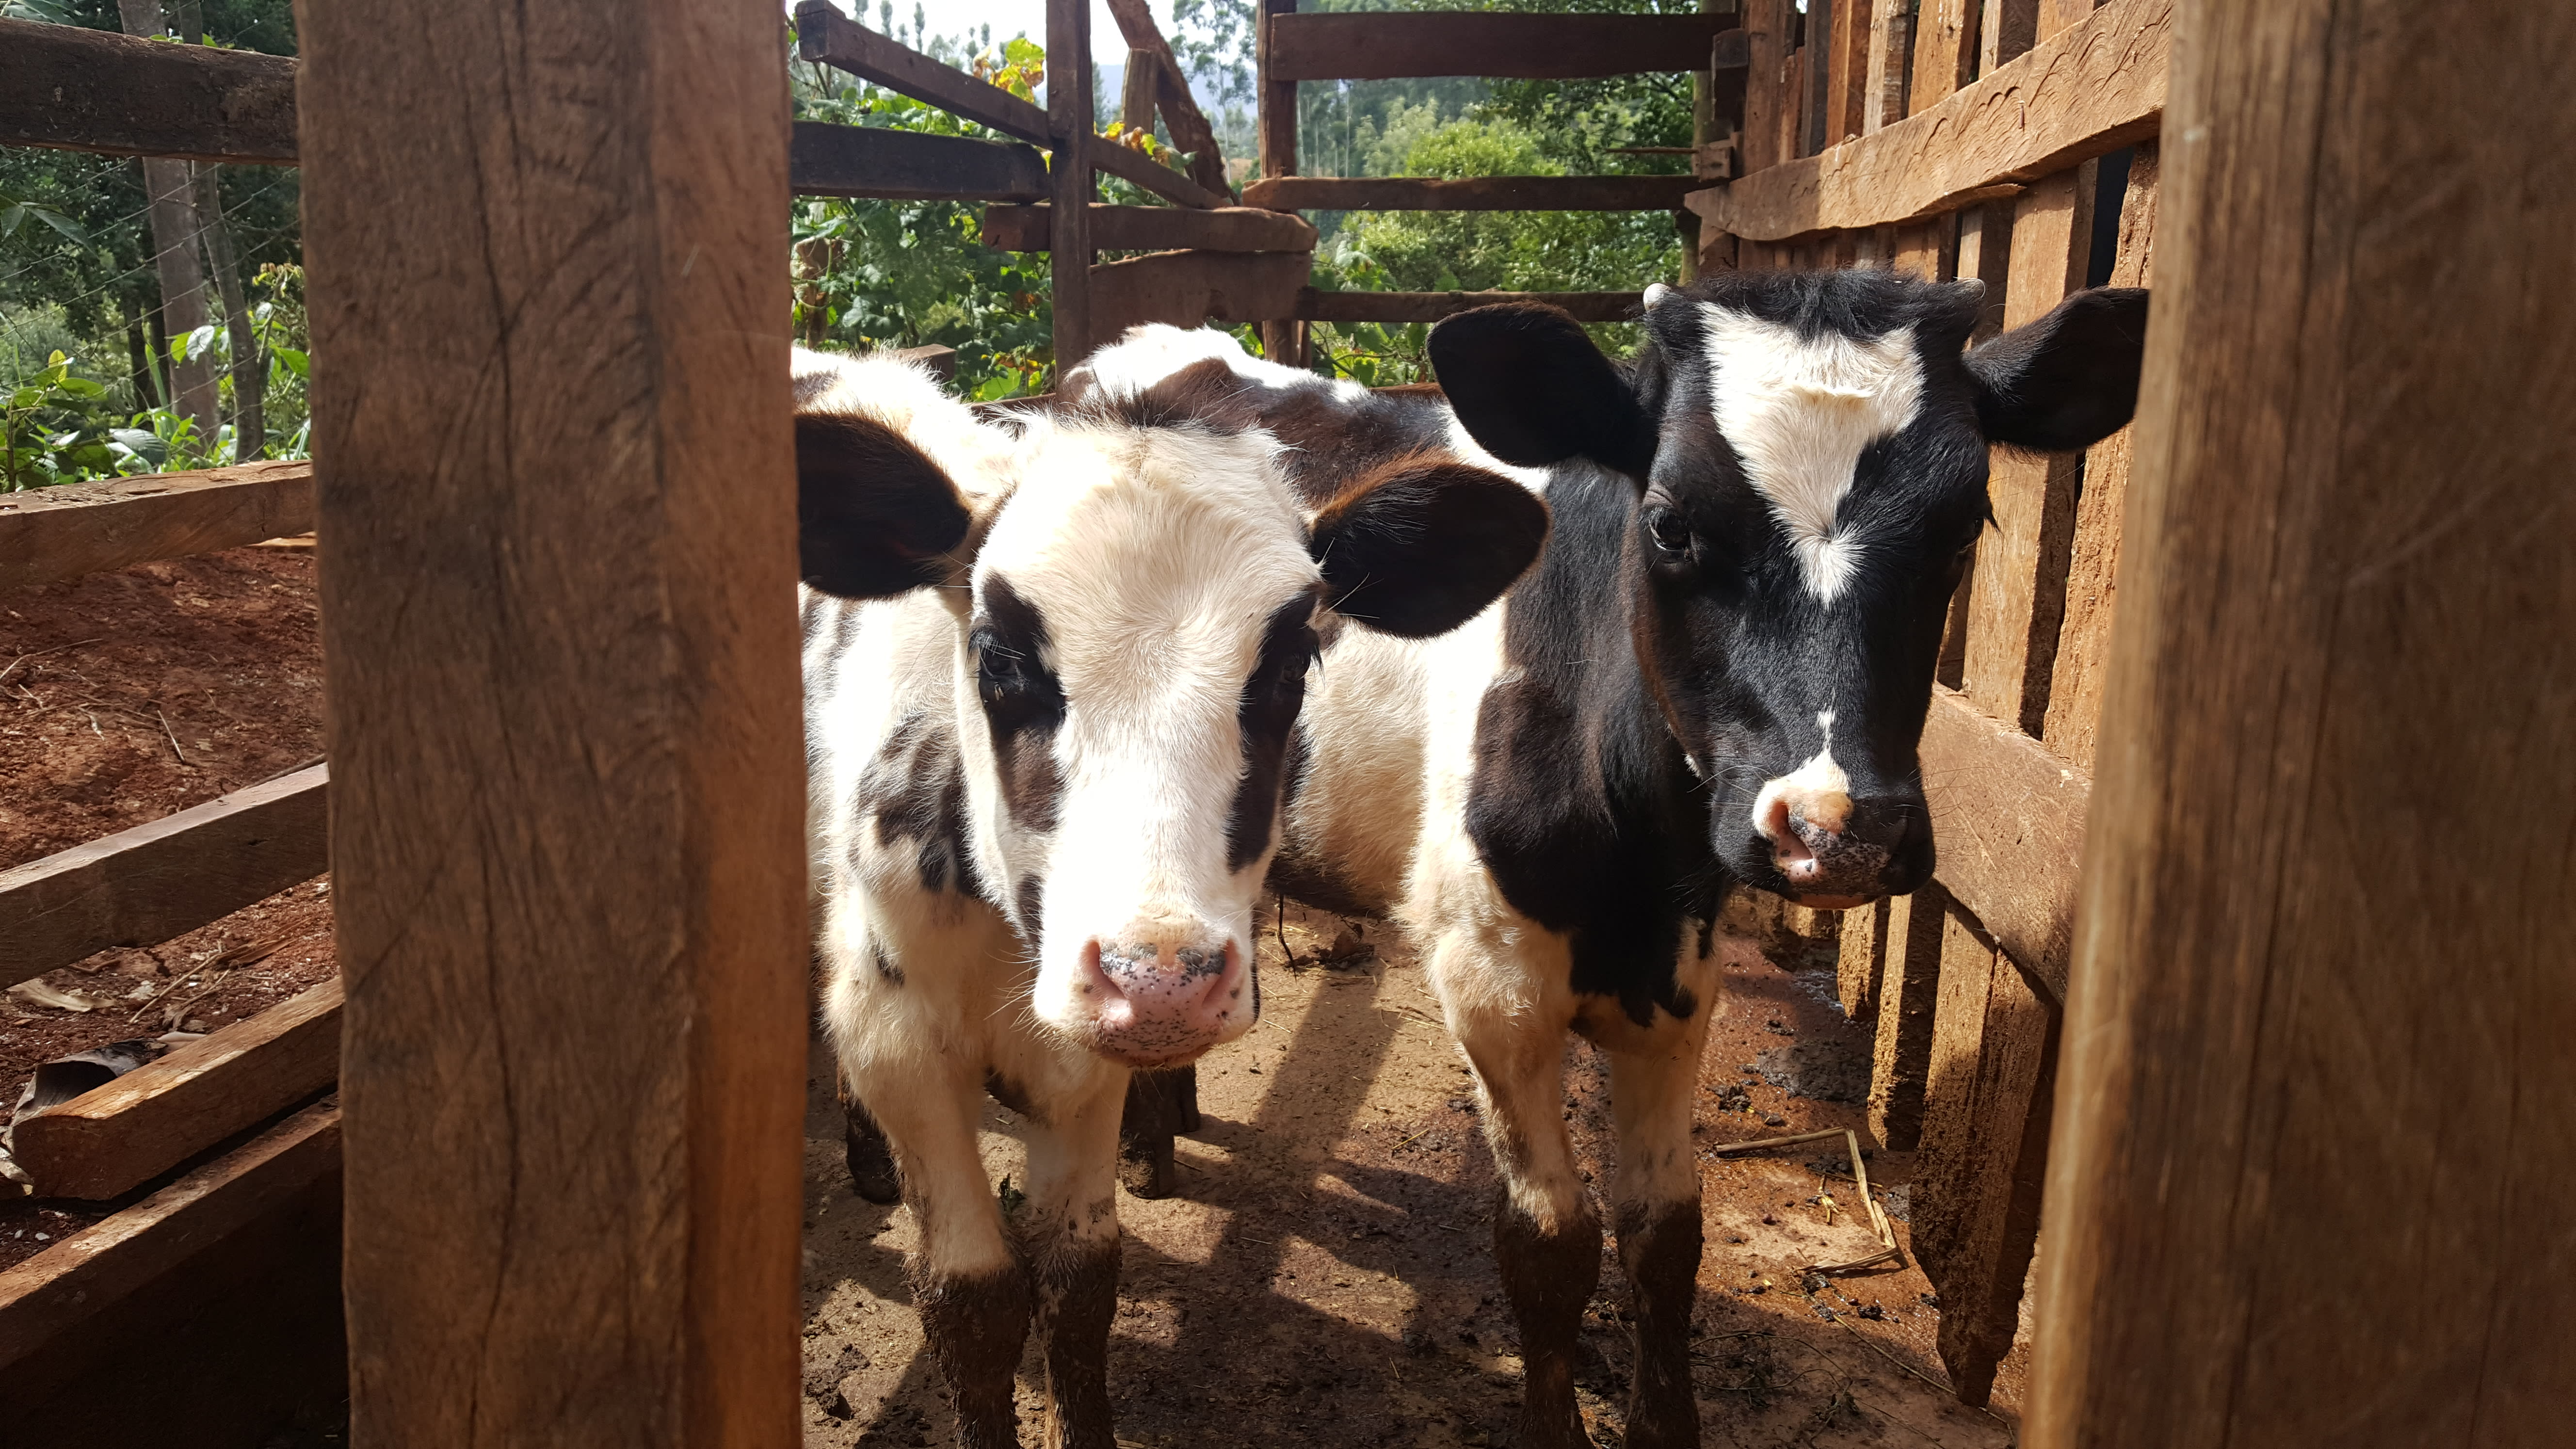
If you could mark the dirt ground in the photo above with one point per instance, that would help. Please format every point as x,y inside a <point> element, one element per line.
<point>126,697</point>
<point>1325,1276</point>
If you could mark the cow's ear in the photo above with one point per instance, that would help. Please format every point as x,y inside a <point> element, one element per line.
<point>2069,379</point>
<point>875,517</point>
<point>1531,389</point>
<point>1422,545</point>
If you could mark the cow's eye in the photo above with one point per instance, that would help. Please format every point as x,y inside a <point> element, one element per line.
<point>1006,676</point>
<point>1670,531</point>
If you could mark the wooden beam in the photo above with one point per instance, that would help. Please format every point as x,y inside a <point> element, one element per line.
<point>77,89</point>
<point>1909,947</point>
<point>1154,176</point>
<point>1170,89</point>
<point>1154,228</point>
<point>148,884</point>
<point>1322,306</point>
<point>825,36</point>
<point>111,1140</point>
<point>1186,288</point>
<point>2093,565</point>
<point>207,1313</point>
<point>1282,340</point>
<point>2011,831</point>
<point>830,160</point>
<point>1072,191</point>
<point>1982,1154</point>
<point>1474,193</point>
<point>51,534</point>
<point>2092,89</point>
<point>1408,46</point>
<point>556,470</point>
<point>2316,1050</point>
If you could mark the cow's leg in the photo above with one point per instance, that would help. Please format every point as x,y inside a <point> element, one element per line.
<point>1547,1241</point>
<point>1146,1126</point>
<point>1068,1232</point>
<point>1655,1207</point>
<point>864,1148</point>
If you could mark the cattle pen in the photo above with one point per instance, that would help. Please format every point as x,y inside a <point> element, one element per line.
<point>2231,1024</point>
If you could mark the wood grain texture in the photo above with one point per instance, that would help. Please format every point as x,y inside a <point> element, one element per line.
<point>143,886</point>
<point>2316,1036</point>
<point>2093,562</point>
<point>1766,40</point>
<point>1847,76</point>
<point>51,534</point>
<point>113,1139</point>
<point>1275,138</point>
<point>205,1314</point>
<point>1186,288</point>
<point>1981,1159</point>
<point>1908,994</point>
<point>1945,51</point>
<point>1499,45</point>
<point>1327,306</point>
<point>1889,65</point>
<point>1473,193</point>
<point>825,36</point>
<point>559,624</point>
<point>2011,822</point>
<point>830,160</point>
<point>1862,961</point>
<point>93,90</point>
<point>2017,597</point>
<point>1182,118</point>
<point>2006,33</point>
<point>1071,189</point>
<point>2092,89</point>
<point>1154,228</point>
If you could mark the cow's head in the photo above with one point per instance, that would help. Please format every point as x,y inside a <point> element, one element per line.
<point>1809,451</point>
<point>1136,610</point>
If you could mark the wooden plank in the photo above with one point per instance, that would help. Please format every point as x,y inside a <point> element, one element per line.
<point>109,1141</point>
<point>1498,45</point>
<point>1908,992</point>
<point>1889,66</point>
<point>77,89</point>
<point>51,534</point>
<point>825,36</point>
<point>1324,306</point>
<point>553,445</point>
<point>2018,596</point>
<point>2092,89</point>
<point>1188,126</point>
<point>2006,33</point>
<point>207,1313</point>
<point>1861,964</point>
<point>1945,51</point>
<point>1766,43</point>
<point>2316,1055</point>
<point>1071,190</point>
<point>1283,340</point>
<point>1155,228</point>
<point>2011,819</point>
<point>1153,176</point>
<point>2093,563</point>
<point>1982,1157</point>
<point>1473,193</point>
<point>830,160</point>
<point>2057,15</point>
<point>1927,250</point>
<point>148,884</point>
<point>1186,288</point>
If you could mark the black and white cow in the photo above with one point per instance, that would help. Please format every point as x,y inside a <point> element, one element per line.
<point>1717,673</point>
<point>1051,671</point>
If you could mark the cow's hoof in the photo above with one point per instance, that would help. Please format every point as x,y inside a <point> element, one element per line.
<point>872,1174</point>
<point>1145,1168</point>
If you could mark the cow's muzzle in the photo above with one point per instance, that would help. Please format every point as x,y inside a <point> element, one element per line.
<point>1161,1001</point>
<point>1834,852</point>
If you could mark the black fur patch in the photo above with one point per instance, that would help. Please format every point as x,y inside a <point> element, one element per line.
<point>915,789</point>
<point>2069,379</point>
<point>1267,717</point>
<point>1418,545</point>
<point>1023,703</point>
<point>874,516</point>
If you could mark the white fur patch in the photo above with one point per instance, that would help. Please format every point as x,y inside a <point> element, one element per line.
<point>1149,353</point>
<point>1820,775</point>
<point>1799,411</point>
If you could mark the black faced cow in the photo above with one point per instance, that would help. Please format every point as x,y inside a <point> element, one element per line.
<point>1717,673</point>
<point>1051,670</point>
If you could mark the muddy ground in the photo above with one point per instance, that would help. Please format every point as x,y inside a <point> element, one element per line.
<point>1324,1277</point>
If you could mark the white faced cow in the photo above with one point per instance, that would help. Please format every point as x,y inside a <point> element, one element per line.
<point>1717,673</point>
<point>1051,669</point>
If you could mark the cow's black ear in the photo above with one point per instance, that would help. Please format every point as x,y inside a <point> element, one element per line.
<point>2069,379</point>
<point>1531,389</point>
<point>1423,544</point>
<point>875,516</point>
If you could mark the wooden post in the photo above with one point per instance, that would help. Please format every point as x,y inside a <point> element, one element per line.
<point>2008,28</point>
<point>548,254</point>
<point>1069,177</point>
<point>1282,340</point>
<point>1766,39</point>
<point>1847,78</point>
<point>1945,50</point>
<point>2318,1111</point>
<point>1890,65</point>
<point>1908,989</point>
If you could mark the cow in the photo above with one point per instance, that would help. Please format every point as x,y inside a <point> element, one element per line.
<point>1052,664</point>
<point>1716,675</point>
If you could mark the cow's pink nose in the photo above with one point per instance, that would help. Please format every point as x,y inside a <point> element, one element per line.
<point>1807,830</point>
<point>1155,1003</point>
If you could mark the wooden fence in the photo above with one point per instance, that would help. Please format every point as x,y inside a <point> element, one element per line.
<point>2012,141</point>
